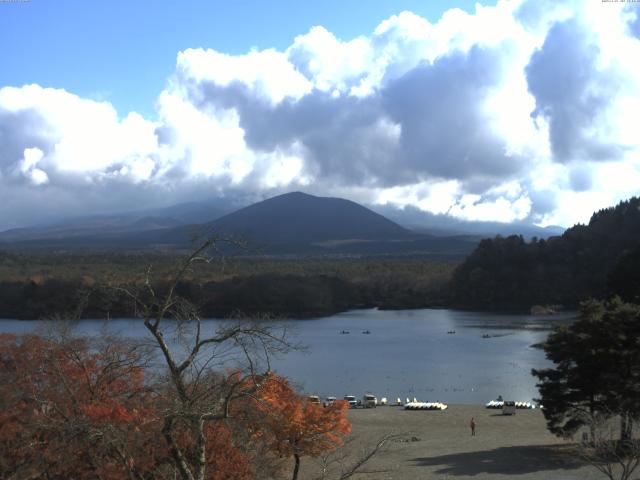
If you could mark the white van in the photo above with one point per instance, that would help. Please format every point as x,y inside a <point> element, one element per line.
<point>369,401</point>
<point>509,407</point>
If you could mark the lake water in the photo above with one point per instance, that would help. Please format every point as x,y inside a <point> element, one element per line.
<point>407,354</point>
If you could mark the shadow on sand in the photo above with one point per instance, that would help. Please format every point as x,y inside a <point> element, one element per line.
<point>505,461</point>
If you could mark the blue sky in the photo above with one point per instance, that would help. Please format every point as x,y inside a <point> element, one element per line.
<point>123,51</point>
<point>509,111</point>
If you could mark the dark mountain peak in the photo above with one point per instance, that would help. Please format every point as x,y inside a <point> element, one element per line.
<point>293,195</point>
<point>307,198</point>
<point>297,217</point>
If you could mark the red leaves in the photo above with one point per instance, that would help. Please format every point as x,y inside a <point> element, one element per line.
<point>70,411</point>
<point>108,412</point>
<point>228,462</point>
<point>297,426</point>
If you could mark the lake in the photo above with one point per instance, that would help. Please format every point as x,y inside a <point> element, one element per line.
<point>408,353</point>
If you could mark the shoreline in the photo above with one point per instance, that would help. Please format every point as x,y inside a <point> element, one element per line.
<point>331,313</point>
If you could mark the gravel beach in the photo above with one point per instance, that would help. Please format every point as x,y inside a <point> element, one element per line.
<point>440,446</point>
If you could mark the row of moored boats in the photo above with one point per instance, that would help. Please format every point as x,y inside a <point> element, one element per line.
<point>425,406</point>
<point>498,404</point>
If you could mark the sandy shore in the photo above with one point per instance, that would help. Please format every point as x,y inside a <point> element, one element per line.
<point>442,447</point>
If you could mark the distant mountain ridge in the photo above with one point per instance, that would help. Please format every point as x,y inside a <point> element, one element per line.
<point>445,225</point>
<point>118,224</point>
<point>104,225</point>
<point>294,223</point>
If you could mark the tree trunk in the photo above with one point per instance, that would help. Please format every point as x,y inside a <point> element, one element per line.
<point>176,453</point>
<point>624,427</point>
<point>201,443</point>
<point>592,423</point>
<point>296,468</point>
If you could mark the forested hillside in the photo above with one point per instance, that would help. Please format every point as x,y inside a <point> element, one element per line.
<point>39,286</point>
<point>586,261</point>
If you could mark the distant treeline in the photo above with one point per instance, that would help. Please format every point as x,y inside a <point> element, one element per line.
<point>293,288</point>
<point>595,260</point>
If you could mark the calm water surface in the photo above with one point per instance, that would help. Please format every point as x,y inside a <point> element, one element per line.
<point>407,354</point>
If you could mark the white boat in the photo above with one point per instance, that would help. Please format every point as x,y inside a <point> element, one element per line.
<point>426,406</point>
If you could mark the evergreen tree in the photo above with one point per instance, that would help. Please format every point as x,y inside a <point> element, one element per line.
<point>597,368</point>
<point>510,273</point>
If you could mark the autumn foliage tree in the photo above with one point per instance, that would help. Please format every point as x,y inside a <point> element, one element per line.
<point>69,412</point>
<point>296,427</point>
<point>72,410</point>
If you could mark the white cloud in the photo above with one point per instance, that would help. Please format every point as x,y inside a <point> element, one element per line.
<point>268,73</point>
<point>328,63</point>
<point>201,142</point>
<point>472,207</point>
<point>433,197</point>
<point>481,116</point>
<point>28,166</point>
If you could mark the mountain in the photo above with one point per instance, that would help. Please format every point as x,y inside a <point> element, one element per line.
<point>112,226</point>
<point>445,225</point>
<point>194,212</point>
<point>510,273</point>
<point>117,225</point>
<point>108,225</point>
<point>298,223</point>
<point>294,223</point>
<point>300,218</point>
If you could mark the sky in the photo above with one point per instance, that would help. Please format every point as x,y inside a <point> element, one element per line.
<point>510,111</point>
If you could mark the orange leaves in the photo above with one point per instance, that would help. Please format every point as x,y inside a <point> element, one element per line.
<point>298,426</point>
<point>228,462</point>
<point>108,412</point>
<point>69,410</point>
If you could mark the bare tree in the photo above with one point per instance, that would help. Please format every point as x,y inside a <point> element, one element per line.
<point>353,457</point>
<point>603,448</point>
<point>207,370</point>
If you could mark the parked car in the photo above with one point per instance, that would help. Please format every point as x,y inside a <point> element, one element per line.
<point>353,402</point>
<point>369,401</point>
<point>329,401</point>
<point>315,399</point>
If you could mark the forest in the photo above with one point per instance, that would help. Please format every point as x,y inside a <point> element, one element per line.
<point>33,286</point>
<point>588,261</point>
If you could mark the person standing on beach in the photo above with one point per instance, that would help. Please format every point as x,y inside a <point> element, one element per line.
<point>472,424</point>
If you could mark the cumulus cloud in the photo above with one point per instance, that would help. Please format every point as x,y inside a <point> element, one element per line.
<point>512,113</point>
<point>633,21</point>
<point>572,93</point>
<point>28,166</point>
